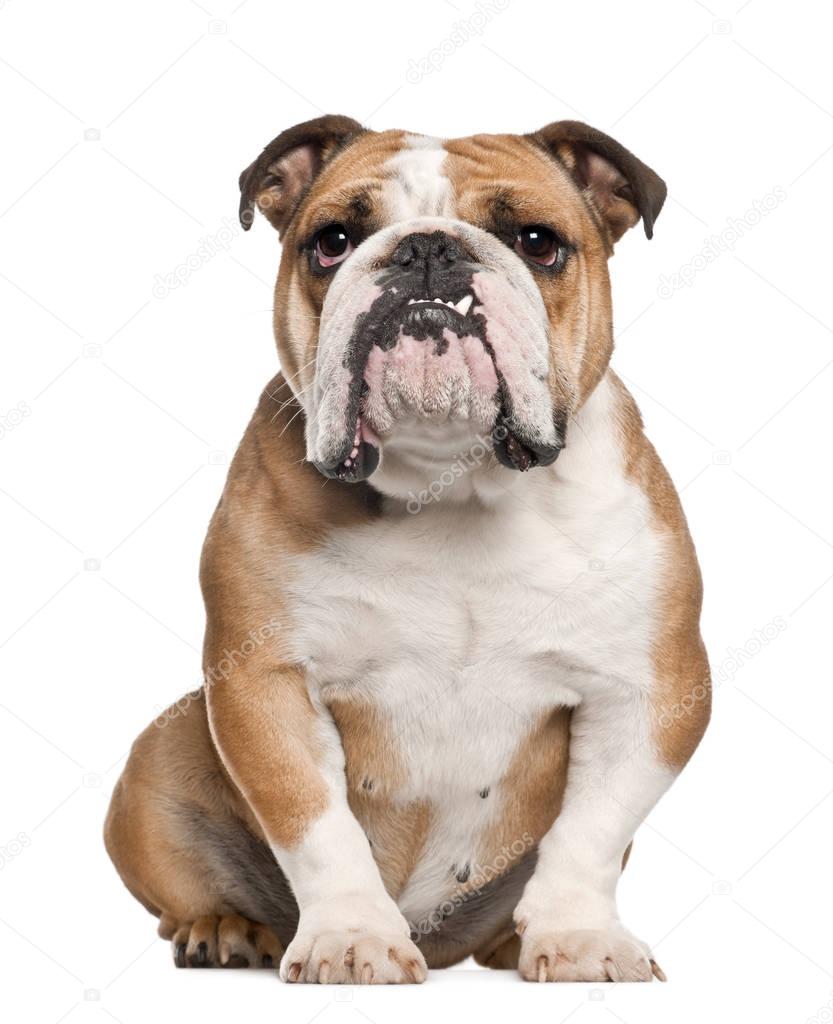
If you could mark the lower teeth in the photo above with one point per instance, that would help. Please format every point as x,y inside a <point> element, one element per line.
<point>357,440</point>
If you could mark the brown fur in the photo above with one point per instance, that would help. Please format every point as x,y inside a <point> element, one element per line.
<point>533,788</point>
<point>682,705</point>
<point>397,831</point>
<point>173,760</point>
<point>357,171</point>
<point>261,717</point>
<point>514,169</point>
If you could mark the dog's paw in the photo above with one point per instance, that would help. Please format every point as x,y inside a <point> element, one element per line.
<point>353,940</point>
<point>598,954</point>
<point>353,957</point>
<point>229,941</point>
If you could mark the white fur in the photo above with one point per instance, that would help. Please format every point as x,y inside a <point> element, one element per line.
<point>464,622</point>
<point>418,186</point>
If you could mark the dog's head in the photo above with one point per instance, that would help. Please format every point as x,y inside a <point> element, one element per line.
<point>435,291</point>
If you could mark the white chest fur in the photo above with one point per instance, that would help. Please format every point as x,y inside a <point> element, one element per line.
<point>462,623</point>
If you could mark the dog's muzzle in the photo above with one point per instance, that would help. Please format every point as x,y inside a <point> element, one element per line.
<point>429,292</point>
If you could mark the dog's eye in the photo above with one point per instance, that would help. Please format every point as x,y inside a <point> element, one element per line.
<point>332,245</point>
<point>539,244</point>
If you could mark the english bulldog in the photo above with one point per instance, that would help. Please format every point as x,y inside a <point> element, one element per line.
<point>452,655</point>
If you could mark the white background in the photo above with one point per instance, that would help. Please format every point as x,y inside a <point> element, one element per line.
<point>124,127</point>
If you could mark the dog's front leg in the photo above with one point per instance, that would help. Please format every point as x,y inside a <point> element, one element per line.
<point>285,756</point>
<point>625,751</point>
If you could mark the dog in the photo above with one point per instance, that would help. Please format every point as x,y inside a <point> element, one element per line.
<point>452,656</point>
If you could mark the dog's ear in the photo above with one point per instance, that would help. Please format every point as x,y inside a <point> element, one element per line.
<point>621,188</point>
<point>281,174</point>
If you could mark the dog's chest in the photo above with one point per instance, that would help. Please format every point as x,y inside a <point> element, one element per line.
<point>446,645</point>
<point>460,629</point>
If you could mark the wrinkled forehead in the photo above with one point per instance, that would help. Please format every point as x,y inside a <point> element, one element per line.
<point>392,176</point>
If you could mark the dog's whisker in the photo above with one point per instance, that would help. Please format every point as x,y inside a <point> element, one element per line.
<point>291,420</point>
<point>287,380</point>
<point>296,397</point>
<point>289,401</point>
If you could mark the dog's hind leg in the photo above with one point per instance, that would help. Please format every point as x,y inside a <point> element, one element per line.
<point>184,845</point>
<point>227,941</point>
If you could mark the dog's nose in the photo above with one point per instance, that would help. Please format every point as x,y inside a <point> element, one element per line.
<point>429,256</point>
<point>421,247</point>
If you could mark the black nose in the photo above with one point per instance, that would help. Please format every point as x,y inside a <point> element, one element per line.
<point>438,247</point>
<point>431,256</point>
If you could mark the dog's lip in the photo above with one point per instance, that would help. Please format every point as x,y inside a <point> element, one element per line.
<point>359,456</point>
<point>515,451</point>
<point>359,462</point>
<point>511,447</point>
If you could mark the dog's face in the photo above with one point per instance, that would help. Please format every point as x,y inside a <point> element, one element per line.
<point>431,292</point>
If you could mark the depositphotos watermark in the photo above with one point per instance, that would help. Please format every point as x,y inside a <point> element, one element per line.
<point>464,463</point>
<point>224,669</point>
<point>473,880</point>
<point>736,659</point>
<point>461,33</point>
<point>479,452</point>
<point>209,247</point>
<point>714,246</point>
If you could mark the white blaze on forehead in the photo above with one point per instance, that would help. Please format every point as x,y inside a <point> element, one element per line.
<point>418,185</point>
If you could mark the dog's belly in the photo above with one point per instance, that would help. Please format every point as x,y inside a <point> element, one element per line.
<point>454,771</point>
